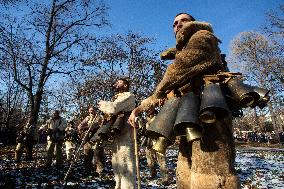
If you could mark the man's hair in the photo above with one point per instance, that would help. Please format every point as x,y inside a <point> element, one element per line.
<point>91,106</point>
<point>191,17</point>
<point>125,81</point>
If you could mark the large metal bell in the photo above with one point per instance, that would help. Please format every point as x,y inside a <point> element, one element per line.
<point>243,93</point>
<point>162,125</point>
<point>161,145</point>
<point>236,111</point>
<point>213,104</point>
<point>119,124</point>
<point>187,123</point>
<point>263,97</point>
<point>103,132</point>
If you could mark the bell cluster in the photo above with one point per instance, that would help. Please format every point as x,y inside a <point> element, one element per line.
<point>109,129</point>
<point>222,95</point>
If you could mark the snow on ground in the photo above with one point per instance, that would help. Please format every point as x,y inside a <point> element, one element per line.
<point>261,168</point>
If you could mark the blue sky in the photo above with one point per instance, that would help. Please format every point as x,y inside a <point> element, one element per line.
<point>154,17</point>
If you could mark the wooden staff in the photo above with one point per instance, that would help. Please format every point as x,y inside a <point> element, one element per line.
<point>136,158</point>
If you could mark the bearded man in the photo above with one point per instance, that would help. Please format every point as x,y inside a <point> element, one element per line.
<point>123,159</point>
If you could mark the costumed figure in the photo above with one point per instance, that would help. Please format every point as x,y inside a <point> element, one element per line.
<point>71,139</point>
<point>201,98</point>
<point>26,138</point>
<point>55,128</point>
<point>123,161</point>
<point>93,154</point>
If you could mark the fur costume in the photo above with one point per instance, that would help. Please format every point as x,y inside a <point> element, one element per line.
<point>123,159</point>
<point>56,128</point>
<point>197,54</point>
<point>92,155</point>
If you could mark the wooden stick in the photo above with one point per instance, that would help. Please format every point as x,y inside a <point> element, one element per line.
<point>136,158</point>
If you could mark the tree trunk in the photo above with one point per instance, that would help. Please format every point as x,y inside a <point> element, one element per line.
<point>209,163</point>
<point>257,122</point>
<point>274,121</point>
<point>34,110</point>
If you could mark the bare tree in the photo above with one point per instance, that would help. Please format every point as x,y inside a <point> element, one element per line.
<point>12,104</point>
<point>12,96</point>
<point>275,30</point>
<point>50,40</point>
<point>128,56</point>
<point>259,58</point>
<point>275,26</point>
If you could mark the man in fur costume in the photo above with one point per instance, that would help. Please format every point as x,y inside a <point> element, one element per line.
<point>55,128</point>
<point>26,138</point>
<point>123,160</point>
<point>197,53</point>
<point>206,163</point>
<point>71,138</point>
<point>93,155</point>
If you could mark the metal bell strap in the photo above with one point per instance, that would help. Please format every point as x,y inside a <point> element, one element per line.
<point>238,94</point>
<point>187,123</point>
<point>246,95</point>
<point>242,94</point>
<point>119,123</point>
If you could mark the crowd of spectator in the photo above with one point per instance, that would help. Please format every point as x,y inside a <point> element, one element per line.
<point>258,136</point>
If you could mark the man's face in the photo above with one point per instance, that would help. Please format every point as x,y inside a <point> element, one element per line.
<point>179,21</point>
<point>119,85</point>
<point>92,111</point>
<point>56,114</point>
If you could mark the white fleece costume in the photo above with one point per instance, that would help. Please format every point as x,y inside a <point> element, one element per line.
<point>123,161</point>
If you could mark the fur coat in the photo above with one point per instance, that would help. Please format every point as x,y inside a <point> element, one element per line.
<point>197,53</point>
